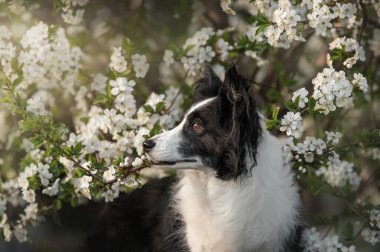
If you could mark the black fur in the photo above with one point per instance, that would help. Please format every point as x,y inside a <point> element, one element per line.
<point>231,125</point>
<point>141,221</point>
<point>145,220</point>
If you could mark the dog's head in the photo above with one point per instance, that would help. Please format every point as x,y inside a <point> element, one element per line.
<point>219,131</point>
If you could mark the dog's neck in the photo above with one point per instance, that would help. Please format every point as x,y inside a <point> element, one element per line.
<point>254,214</point>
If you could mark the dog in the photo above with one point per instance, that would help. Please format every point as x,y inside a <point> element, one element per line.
<point>232,192</point>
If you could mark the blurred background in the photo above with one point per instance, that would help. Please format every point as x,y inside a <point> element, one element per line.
<point>153,26</point>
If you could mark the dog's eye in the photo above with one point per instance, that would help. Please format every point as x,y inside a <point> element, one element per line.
<point>197,127</point>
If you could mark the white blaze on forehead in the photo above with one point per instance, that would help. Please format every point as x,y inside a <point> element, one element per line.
<point>199,105</point>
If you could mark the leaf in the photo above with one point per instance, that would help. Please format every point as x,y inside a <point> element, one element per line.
<point>272,124</point>
<point>311,104</point>
<point>149,109</point>
<point>275,112</point>
<point>348,231</point>
<point>291,106</point>
<point>77,149</point>
<point>155,130</point>
<point>160,107</point>
<point>261,28</point>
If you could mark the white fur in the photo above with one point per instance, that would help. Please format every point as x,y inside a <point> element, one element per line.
<point>256,214</point>
<point>167,143</point>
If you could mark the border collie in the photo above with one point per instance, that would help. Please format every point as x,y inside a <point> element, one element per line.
<point>232,192</point>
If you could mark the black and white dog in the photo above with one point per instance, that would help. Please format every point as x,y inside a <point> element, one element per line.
<point>233,191</point>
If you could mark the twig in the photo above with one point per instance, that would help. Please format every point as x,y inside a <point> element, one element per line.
<point>173,101</point>
<point>75,162</point>
<point>130,171</point>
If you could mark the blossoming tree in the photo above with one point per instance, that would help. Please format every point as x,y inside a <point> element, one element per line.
<point>77,102</point>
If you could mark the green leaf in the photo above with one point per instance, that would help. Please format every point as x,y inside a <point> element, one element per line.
<point>155,130</point>
<point>311,104</point>
<point>275,112</point>
<point>160,107</point>
<point>77,149</point>
<point>291,106</point>
<point>348,231</point>
<point>272,124</point>
<point>149,109</point>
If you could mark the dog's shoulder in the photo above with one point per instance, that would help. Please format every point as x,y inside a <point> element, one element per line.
<point>139,221</point>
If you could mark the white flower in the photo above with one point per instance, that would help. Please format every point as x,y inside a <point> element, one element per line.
<point>224,47</point>
<point>7,232</point>
<point>226,6</point>
<point>331,90</point>
<point>309,157</point>
<point>251,34</point>
<point>333,137</point>
<point>302,94</point>
<point>292,124</point>
<point>137,162</point>
<point>339,173</point>
<point>35,106</point>
<point>109,175</point>
<point>122,85</point>
<point>154,99</point>
<point>350,45</point>
<point>23,181</point>
<point>108,195</point>
<point>81,185</point>
<point>20,233</point>
<point>205,54</point>
<point>130,182</point>
<point>345,10</point>
<point>29,195</point>
<point>375,218</point>
<point>44,174</point>
<point>30,212</point>
<point>73,17</point>
<point>118,62</point>
<point>72,140</point>
<point>168,57</point>
<point>360,81</point>
<point>140,65</point>
<point>371,236</point>
<point>314,242</point>
<point>52,190</point>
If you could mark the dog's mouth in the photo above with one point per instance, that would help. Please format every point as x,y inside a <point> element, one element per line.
<point>170,163</point>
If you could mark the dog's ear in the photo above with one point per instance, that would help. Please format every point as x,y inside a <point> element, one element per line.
<point>207,86</point>
<point>241,121</point>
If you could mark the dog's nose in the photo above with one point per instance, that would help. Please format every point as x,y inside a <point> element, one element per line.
<point>148,145</point>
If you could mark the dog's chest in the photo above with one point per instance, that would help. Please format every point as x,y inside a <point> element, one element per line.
<point>217,217</point>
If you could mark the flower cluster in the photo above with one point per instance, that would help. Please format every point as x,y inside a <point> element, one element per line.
<point>46,81</point>
<point>349,46</point>
<point>140,65</point>
<point>371,234</point>
<point>332,89</point>
<point>71,13</point>
<point>47,59</point>
<point>307,149</point>
<point>315,242</point>
<point>118,62</point>
<point>292,124</point>
<point>339,173</point>
<point>284,29</point>
<point>198,51</point>
<point>7,52</point>
<point>301,94</point>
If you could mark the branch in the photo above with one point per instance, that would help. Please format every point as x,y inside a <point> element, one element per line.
<point>63,152</point>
